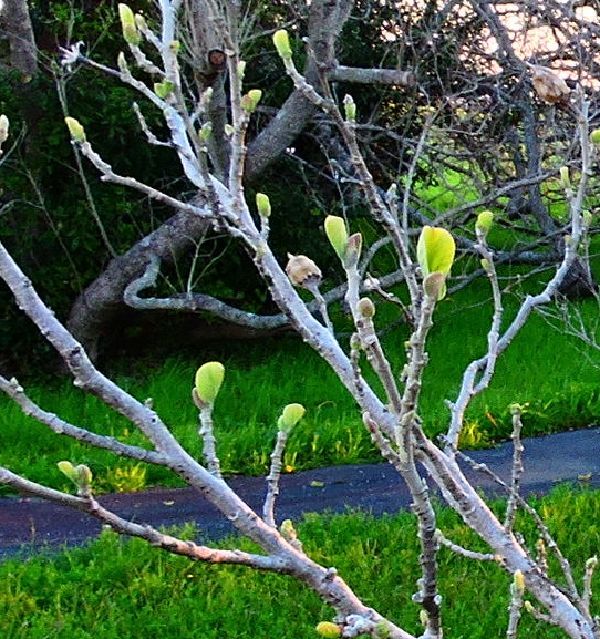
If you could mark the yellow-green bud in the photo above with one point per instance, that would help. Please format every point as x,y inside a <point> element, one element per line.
<point>595,136</point>
<point>175,46</point>
<point>287,530</point>
<point>519,581</point>
<point>484,222</point>
<point>435,252</point>
<point>67,469</point>
<point>485,264</point>
<point>349,108</point>
<point>263,204</point>
<point>130,32</point>
<point>290,416</point>
<point>241,69</point>
<point>250,101</point>
<point>75,129</point>
<point>586,216</point>
<point>163,89</point>
<point>353,249</point>
<point>4,125</point>
<point>209,378</point>
<point>592,563</point>
<point>229,130</point>
<point>335,229</point>
<point>424,618</point>
<point>515,409</point>
<point>366,308</point>
<point>281,40</point>
<point>565,178</point>
<point>329,630</point>
<point>205,132</point>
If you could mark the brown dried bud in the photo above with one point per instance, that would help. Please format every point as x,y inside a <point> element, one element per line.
<point>301,269</point>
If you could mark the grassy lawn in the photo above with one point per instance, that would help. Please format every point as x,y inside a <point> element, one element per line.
<point>113,588</point>
<point>543,367</point>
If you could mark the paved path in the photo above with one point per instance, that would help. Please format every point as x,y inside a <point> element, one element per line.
<point>30,524</point>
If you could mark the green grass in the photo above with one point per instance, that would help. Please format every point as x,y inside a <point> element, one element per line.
<point>543,368</point>
<point>117,590</point>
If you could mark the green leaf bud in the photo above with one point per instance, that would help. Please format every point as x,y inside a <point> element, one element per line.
<point>288,531</point>
<point>281,40</point>
<point>484,222</point>
<point>67,469</point>
<point>519,581</point>
<point>4,126</point>
<point>164,89</point>
<point>290,416</point>
<point>485,264</point>
<point>565,178</point>
<point>209,378</point>
<point>249,102</point>
<point>329,630</point>
<point>353,249</point>
<point>366,308</point>
<point>75,129</point>
<point>349,108</point>
<point>130,32</point>
<point>84,479</point>
<point>335,229</point>
<point>263,204</point>
<point>241,69</point>
<point>595,136</point>
<point>435,250</point>
<point>175,46</point>
<point>205,132</point>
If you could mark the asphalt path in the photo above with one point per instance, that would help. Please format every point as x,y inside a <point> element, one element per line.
<point>31,525</point>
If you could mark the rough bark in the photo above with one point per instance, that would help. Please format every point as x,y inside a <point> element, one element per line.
<point>16,24</point>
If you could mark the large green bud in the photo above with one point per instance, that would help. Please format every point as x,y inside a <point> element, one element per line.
<point>164,89</point>
<point>484,222</point>
<point>75,129</point>
<point>209,378</point>
<point>250,100</point>
<point>130,32</point>
<point>335,229</point>
<point>281,40</point>
<point>349,108</point>
<point>290,416</point>
<point>263,204</point>
<point>435,253</point>
<point>80,475</point>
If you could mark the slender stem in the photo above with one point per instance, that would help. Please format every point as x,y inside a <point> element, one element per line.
<point>273,478</point>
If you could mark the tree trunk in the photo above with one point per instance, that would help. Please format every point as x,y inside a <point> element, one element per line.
<point>16,24</point>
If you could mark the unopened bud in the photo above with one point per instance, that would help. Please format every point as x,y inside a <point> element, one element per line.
<point>249,102</point>
<point>163,89</point>
<point>263,204</point>
<point>75,129</point>
<point>329,630</point>
<point>4,126</point>
<point>591,563</point>
<point>175,46</point>
<point>485,265</point>
<point>484,222</point>
<point>595,136</point>
<point>353,249</point>
<point>423,617</point>
<point>281,40</point>
<point>434,285</point>
<point>587,217</point>
<point>130,32</point>
<point>241,69</point>
<point>290,416</point>
<point>205,132</point>
<point>209,378</point>
<point>335,229</point>
<point>366,308</point>
<point>565,178</point>
<point>349,108</point>
<point>229,130</point>
<point>519,581</point>
<point>122,63</point>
